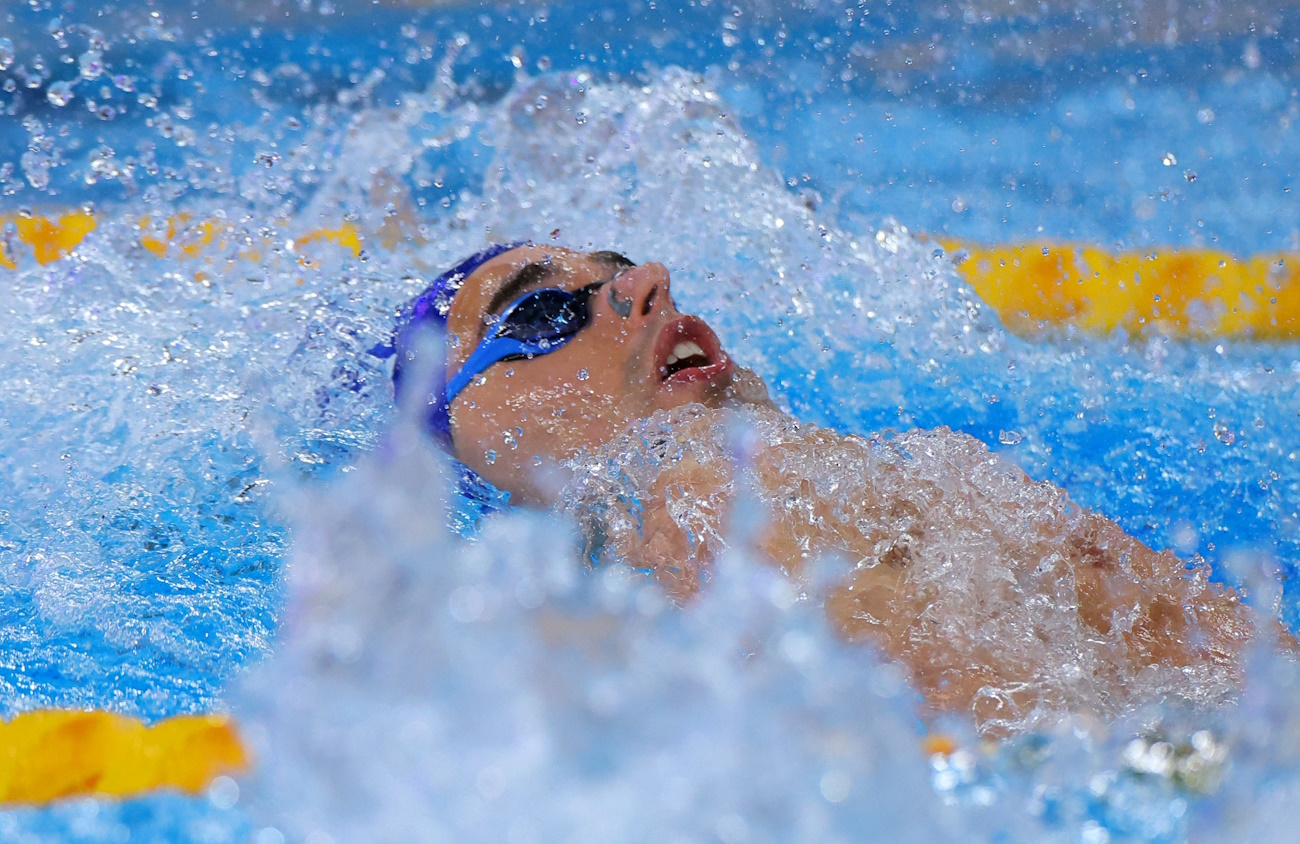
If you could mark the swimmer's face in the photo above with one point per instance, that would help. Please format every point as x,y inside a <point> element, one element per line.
<point>520,420</point>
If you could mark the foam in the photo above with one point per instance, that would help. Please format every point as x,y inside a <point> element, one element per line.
<point>445,690</point>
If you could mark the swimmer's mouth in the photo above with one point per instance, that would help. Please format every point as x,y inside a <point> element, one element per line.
<point>688,350</point>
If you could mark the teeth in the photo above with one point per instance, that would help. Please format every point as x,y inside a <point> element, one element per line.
<point>684,349</point>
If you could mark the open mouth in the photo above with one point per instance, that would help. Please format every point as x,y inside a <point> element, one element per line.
<point>688,350</point>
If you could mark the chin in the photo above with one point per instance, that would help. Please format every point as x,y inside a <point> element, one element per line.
<point>746,389</point>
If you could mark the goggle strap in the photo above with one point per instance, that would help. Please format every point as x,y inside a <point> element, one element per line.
<point>488,352</point>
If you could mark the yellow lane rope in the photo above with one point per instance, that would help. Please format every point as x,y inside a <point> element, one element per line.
<point>182,236</point>
<point>50,754</point>
<point>1034,287</point>
<point>1182,293</point>
<point>49,238</point>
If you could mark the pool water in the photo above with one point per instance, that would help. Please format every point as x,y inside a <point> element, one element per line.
<point>190,437</point>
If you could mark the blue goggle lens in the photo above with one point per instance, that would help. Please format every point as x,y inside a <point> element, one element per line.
<point>546,315</point>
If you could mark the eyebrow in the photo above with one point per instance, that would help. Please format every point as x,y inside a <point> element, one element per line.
<point>530,274</point>
<point>534,273</point>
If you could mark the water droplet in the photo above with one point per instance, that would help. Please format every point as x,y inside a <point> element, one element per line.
<point>60,94</point>
<point>91,64</point>
<point>36,167</point>
<point>466,604</point>
<point>1251,56</point>
<point>1224,434</point>
<point>583,374</point>
<point>6,53</point>
<point>835,786</point>
<point>224,793</point>
<point>1185,537</point>
<point>490,456</point>
<point>1009,437</point>
<point>1169,160</point>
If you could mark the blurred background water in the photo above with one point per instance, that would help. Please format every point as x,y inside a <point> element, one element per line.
<point>175,426</point>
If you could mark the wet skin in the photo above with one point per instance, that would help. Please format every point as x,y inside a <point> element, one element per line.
<point>519,420</point>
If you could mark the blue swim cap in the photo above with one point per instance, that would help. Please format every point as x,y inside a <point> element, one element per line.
<point>429,310</point>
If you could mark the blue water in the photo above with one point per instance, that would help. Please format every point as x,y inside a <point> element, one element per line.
<point>157,429</point>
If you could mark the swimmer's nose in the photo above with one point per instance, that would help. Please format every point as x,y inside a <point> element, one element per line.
<point>645,288</point>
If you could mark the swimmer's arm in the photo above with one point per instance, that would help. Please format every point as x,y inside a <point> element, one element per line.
<point>1169,613</point>
<point>1173,614</point>
<point>1166,611</point>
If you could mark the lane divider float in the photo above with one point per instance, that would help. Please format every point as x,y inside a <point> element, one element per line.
<point>182,236</point>
<point>1200,293</point>
<point>50,754</point>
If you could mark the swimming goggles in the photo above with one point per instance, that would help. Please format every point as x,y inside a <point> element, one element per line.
<point>536,323</point>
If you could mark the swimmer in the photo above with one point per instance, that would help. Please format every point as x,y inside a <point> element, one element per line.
<point>1000,597</point>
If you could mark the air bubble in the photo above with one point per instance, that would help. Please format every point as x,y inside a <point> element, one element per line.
<point>835,786</point>
<point>91,64</point>
<point>6,53</point>
<point>36,167</point>
<point>1251,56</point>
<point>223,793</point>
<point>60,94</point>
<point>1185,537</point>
